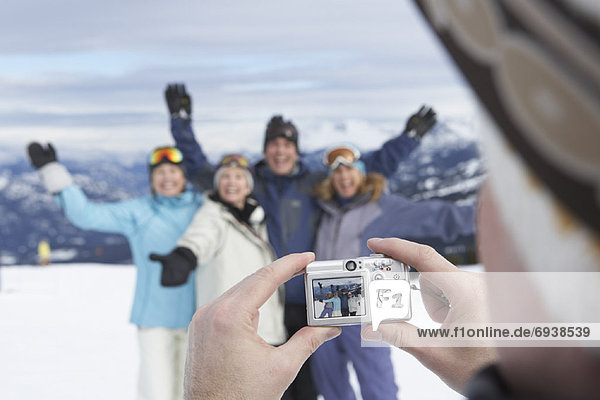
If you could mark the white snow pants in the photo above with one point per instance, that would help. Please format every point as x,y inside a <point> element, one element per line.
<point>162,363</point>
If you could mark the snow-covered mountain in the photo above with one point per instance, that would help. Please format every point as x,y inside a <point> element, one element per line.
<point>447,165</point>
<point>30,214</point>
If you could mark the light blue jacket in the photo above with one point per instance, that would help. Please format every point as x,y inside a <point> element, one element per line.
<point>337,304</point>
<point>152,224</point>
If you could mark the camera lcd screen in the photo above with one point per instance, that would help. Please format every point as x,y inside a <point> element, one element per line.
<point>338,297</point>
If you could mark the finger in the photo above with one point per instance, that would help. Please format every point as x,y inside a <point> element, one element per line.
<point>304,342</point>
<point>399,334</point>
<point>254,290</point>
<point>424,259</point>
<point>435,301</point>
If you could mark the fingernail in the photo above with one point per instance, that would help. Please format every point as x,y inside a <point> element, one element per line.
<point>370,334</point>
<point>376,239</point>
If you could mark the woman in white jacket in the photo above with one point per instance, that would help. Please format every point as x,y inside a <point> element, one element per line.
<point>227,240</point>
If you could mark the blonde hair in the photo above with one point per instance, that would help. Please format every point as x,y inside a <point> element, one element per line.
<point>372,182</point>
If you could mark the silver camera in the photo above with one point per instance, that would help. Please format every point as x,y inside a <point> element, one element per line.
<point>357,290</point>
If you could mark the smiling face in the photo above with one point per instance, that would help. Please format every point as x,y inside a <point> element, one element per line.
<point>346,181</point>
<point>167,180</point>
<point>233,187</point>
<point>281,156</point>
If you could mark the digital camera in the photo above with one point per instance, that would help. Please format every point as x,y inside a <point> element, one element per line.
<point>357,290</point>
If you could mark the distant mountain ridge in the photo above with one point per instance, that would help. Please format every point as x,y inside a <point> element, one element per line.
<point>446,166</point>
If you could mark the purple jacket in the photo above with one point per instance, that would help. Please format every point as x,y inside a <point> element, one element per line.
<point>344,230</point>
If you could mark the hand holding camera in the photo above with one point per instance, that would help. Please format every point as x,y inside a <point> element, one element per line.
<point>451,297</point>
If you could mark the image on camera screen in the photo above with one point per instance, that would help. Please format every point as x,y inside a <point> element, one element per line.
<point>338,297</point>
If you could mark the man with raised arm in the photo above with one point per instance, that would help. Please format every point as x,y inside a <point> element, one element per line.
<point>283,187</point>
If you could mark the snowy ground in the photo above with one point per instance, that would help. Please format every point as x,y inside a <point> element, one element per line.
<point>64,334</point>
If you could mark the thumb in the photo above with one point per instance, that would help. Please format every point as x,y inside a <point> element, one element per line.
<point>51,149</point>
<point>304,342</point>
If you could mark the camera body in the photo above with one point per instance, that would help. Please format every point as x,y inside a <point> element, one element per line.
<point>357,290</point>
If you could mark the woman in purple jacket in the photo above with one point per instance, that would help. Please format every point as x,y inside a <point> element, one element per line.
<point>356,207</point>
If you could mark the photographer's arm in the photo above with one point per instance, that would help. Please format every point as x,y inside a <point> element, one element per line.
<point>226,357</point>
<point>114,217</point>
<point>466,294</point>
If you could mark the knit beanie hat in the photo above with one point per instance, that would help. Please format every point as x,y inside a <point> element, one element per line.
<point>277,127</point>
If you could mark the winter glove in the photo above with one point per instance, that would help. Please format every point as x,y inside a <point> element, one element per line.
<point>420,122</point>
<point>54,176</point>
<point>40,156</point>
<point>176,266</point>
<point>178,101</point>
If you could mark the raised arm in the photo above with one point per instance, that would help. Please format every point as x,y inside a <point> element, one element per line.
<point>443,220</point>
<point>79,210</point>
<point>386,160</point>
<point>435,222</point>
<point>198,169</point>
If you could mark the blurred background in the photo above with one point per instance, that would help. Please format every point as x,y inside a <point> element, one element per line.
<point>90,79</point>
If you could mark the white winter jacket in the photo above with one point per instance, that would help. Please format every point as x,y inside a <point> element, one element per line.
<point>228,251</point>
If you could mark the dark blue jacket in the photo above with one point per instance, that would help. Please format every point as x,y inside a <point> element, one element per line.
<point>435,222</point>
<point>198,170</point>
<point>292,212</point>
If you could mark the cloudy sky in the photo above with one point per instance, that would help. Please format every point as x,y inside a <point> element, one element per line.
<point>90,76</point>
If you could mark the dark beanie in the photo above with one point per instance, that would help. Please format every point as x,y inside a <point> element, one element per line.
<point>277,127</point>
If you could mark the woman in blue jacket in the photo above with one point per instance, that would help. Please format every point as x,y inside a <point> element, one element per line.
<point>355,208</point>
<point>152,223</point>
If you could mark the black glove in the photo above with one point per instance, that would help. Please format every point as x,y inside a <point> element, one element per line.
<point>40,156</point>
<point>420,122</point>
<point>176,266</point>
<point>178,100</point>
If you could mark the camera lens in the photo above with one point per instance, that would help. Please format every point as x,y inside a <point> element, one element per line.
<point>350,265</point>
